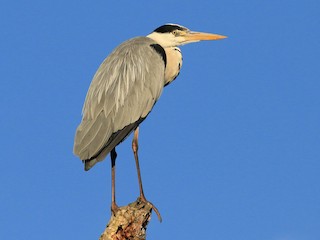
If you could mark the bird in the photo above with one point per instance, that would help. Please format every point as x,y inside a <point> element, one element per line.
<point>124,90</point>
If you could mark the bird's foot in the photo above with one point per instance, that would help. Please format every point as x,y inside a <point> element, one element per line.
<point>144,200</point>
<point>114,208</point>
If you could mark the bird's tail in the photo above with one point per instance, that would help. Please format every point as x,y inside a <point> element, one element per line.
<point>88,164</point>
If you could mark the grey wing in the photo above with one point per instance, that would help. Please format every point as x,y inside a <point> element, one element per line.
<point>121,95</point>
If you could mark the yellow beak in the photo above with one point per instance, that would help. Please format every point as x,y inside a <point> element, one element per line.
<point>199,36</point>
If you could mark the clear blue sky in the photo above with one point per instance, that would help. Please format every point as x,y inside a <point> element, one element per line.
<point>230,151</point>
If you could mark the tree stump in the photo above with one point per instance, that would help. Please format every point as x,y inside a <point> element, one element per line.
<point>129,223</point>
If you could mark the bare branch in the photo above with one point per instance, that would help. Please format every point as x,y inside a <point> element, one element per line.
<point>129,223</point>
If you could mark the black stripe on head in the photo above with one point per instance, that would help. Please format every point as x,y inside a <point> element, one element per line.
<point>169,28</point>
<point>161,52</point>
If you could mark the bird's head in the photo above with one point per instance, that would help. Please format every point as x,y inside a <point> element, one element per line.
<point>172,35</point>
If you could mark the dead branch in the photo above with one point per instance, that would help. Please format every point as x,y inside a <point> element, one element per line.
<point>129,223</point>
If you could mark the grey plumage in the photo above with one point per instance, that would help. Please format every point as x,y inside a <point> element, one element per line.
<point>122,93</point>
<point>127,85</point>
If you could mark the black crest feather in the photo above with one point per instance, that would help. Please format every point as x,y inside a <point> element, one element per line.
<point>169,28</point>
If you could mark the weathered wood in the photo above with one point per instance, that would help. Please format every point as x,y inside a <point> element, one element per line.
<point>129,223</point>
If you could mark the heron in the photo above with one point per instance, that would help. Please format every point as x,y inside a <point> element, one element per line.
<point>123,92</point>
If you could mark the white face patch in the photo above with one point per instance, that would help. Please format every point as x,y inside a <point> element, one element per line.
<point>166,39</point>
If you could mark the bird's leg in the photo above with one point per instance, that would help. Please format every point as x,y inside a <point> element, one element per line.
<point>114,206</point>
<point>135,153</point>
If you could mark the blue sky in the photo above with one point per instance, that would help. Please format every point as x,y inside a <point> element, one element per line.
<point>230,151</point>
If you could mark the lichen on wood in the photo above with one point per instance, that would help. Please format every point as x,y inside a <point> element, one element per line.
<point>129,222</point>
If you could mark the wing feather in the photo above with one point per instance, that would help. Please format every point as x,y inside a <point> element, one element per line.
<point>122,93</point>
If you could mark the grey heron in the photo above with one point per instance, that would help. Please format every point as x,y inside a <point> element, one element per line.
<point>123,92</point>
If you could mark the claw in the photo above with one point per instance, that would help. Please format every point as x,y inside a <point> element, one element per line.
<point>144,200</point>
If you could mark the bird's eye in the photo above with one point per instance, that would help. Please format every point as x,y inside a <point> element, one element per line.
<point>175,33</point>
